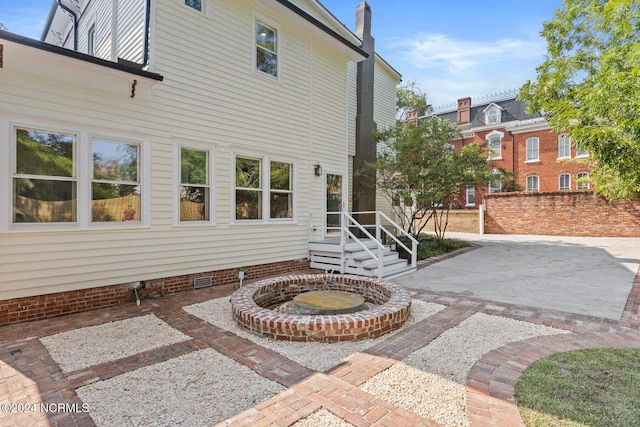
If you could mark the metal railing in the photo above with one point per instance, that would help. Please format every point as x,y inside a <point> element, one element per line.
<point>345,233</point>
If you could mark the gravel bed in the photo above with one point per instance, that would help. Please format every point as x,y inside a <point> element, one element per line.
<point>431,381</point>
<point>198,389</point>
<point>218,313</point>
<point>93,345</point>
<point>322,418</point>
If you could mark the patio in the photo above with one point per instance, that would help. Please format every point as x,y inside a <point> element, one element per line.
<point>180,359</point>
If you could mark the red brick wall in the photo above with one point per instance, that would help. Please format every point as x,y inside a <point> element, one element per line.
<point>50,305</point>
<point>460,220</point>
<point>561,213</point>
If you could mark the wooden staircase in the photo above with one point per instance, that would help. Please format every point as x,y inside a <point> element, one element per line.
<point>363,256</point>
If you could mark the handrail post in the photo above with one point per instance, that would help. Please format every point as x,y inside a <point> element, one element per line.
<point>378,225</point>
<point>380,262</point>
<point>343,240</point>
<point>414,253</point>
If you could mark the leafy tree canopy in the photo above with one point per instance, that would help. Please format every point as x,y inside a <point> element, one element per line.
<point>589,87</point>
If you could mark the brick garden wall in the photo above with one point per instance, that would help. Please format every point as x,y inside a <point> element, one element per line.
<point>50,305</point>
<point>561,213</point>
<point>462,221</point>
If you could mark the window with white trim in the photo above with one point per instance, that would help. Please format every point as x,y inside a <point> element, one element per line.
<point>471,196</point>
<point>493,115</point>
<point>248,188</point>
<point>115,187</point>
<point>533,149</point>
<point>266,44</point>
<point>495,185</point>
<point>581,151</point>
<point>533,183</point>
<point>195,185</point>
<point>494,145</point>
<point>281,196</point>
<point>582,181</point>
<point>44,178</point>
<point>194,4</point>
<point>564,181</point>
<point>564,146</point>
<point>264,194</point>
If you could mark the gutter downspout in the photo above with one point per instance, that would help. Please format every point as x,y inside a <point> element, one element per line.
<point>147,23</point>
<point>75,24</point>
<point>513,156</point>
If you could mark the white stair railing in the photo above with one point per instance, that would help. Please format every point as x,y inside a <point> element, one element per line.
<point>345,233</point>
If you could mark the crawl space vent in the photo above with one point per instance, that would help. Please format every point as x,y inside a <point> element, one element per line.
<point>202,282</point>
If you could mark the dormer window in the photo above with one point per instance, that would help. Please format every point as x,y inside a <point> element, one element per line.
<point>492,114</point>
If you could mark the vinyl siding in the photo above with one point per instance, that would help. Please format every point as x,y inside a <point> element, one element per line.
<point>210,97</point>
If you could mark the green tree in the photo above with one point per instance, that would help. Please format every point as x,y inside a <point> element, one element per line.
<point>409,98</point>
<point>589,87</point>
<point>421,175</point>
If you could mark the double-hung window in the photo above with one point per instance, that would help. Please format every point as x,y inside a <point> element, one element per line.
<point>194,185</point>
<point>495,185</point>
<point>281,190</point>
<point>263,194</point>
<point>195,4</point>
<point>115,187</point>
<point>44,178</point>
<point>582,181</point>
<point>581,151</point>
<point>564,146</point>
<point>471,196</point>
<point>494,145</point>
<point>533,183</point>
<point>266,49</point>
<point>248,188</point>
<point>564,181</point>
<point>533,149</point>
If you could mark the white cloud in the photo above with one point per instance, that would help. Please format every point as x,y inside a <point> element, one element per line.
<point>447,69</point>
<point>455,55</point>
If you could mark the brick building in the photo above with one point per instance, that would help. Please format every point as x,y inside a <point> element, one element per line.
<point>541,160</point>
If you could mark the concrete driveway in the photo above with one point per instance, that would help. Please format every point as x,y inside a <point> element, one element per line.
<point>582,275</point>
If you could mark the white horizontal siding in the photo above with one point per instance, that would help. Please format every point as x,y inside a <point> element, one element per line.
<point>211,96</point>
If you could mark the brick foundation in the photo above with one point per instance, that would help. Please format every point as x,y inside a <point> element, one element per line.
<point>561,213</point>
<point>249,309</point>
<point>50,305</point>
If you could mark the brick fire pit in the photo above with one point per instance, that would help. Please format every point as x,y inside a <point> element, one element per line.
<point>250,305</point>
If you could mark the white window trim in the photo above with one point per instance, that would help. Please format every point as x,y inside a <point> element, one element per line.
<point>255,17</point>
<point>581,156</point>
<point>83,156</point>
<point>537,189</point>
<point>467,204</point>
<point>588,184</point>
<point>491,108</point>
<point>488,138</point>
<point>560,181</point>
<point>92,41</point>
<point>566,139</point>
<point>266,189</point>
<point>177,145</point>
<point>526,149</point>
<point>204,7</point>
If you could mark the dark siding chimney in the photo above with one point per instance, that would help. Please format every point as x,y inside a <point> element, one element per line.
<point>364,185</point>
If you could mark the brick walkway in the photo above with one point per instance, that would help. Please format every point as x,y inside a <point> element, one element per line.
<point>28,375</point>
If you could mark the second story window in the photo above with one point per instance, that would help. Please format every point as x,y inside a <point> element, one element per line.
<point>494,143</point>
<point>266,49</point>
<point>581,151</point>
<point>195,4</point>
<point>564,146</point>
<point>533,149</point>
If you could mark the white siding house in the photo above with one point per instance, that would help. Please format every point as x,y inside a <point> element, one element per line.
<point>199,162</point>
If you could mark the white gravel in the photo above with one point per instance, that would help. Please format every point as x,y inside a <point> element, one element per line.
<point>314,355</point>
<point>431,381</point>
<point>93,345</point>
<point>322,418</point>
<point>198,389</point>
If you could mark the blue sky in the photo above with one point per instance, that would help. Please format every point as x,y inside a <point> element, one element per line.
<point>452,49</point>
